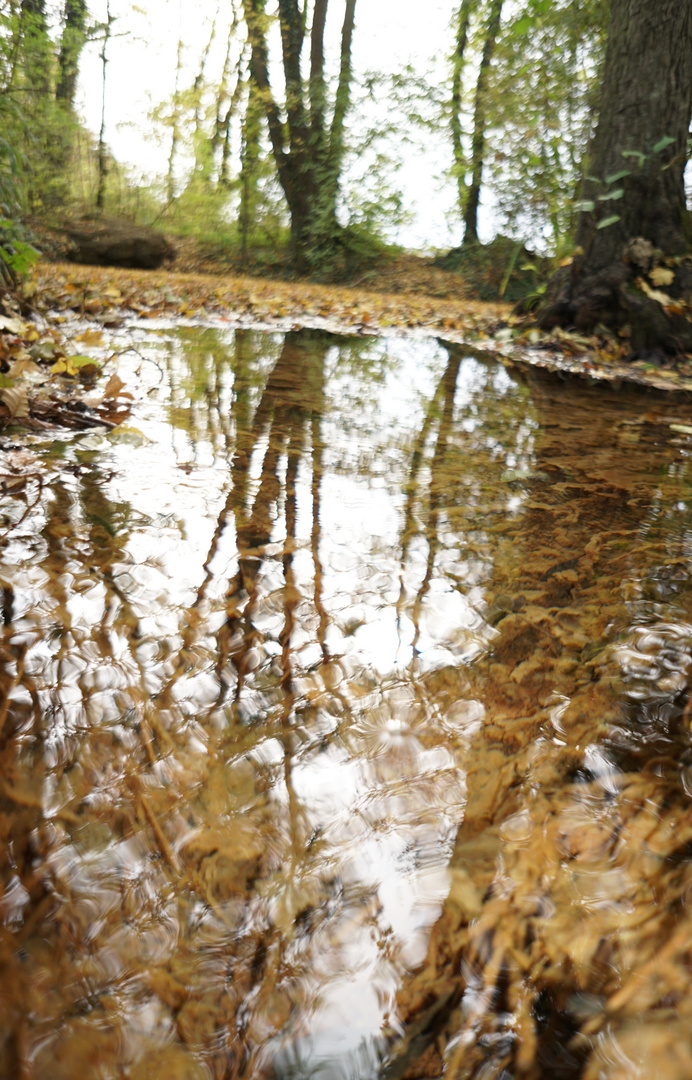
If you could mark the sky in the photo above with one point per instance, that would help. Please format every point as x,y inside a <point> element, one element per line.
<point>141,73</point>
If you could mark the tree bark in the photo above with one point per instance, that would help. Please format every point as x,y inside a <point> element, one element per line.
<point>633,214</point>
<point>71,44</point>
<point>479,122</point>
<point>102,151</point>
<point>308,152</point>
<point>464,19</point>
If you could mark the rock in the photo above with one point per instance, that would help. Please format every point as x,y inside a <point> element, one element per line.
<point>110,242</point>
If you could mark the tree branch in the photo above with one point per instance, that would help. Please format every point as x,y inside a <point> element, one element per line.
<point>343,92</point>
<point>254,15</point>
<point>292,36</point>
<point>317,90</point>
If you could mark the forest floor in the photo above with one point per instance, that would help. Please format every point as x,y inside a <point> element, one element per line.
<point>408,294</point>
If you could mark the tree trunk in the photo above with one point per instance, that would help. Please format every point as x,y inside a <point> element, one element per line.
<point>37,47</point>
<point>249,161</point>
<point>633,214</point>
<point>479,121</point>
<point>175,127</point>
<point>307,151</point>
<point>464,18</point>
<point>71,44</point>
<point>102,151</point>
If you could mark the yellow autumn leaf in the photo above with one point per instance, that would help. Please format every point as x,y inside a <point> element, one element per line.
<point>660,275</point>
<point>91,337</point>
<point>653,294</point>
<point>63,366</point>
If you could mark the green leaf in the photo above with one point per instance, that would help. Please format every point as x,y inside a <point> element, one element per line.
<point>617,194</point>
<point>586,205</point>
<point>662,144</point>
<point>614,177</point>
<point>608,221</point>
<point>523,26</point>
<point>635,153</point>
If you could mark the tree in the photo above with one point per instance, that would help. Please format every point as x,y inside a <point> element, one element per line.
<point>71,44</point>
<point>479,124</point>
<point>546,75</point>
<point>633,216</point>
<point>523,129</point>
<point>308,148</point>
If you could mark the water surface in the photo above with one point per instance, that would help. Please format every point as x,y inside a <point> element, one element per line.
<point>343,727</point>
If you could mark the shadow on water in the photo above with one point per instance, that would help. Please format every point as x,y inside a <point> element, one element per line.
<point>343,724</point>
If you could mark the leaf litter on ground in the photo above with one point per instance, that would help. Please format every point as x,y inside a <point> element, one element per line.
<point>109,296</point>
<point>48,381</point>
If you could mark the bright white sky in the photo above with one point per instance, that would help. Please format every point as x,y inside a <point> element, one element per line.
<point>388,34</point>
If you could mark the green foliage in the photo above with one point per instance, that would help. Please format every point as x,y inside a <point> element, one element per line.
<point>17,255</point>
<point>38,125</point>
<point>640,160</point>
<point>540,105</point>
<point>503,269</point>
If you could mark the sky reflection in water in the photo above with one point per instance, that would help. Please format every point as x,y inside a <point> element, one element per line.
<point>275,652</point>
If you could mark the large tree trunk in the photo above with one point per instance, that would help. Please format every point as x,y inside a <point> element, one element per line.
<point>633,214</point>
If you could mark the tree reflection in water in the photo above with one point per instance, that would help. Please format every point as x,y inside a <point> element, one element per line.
<point>551,953</point>
<point>355,609</point>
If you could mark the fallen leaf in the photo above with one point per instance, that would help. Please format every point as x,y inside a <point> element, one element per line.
<point>15,326</point>
<point>653,294</point>
<point>16,398</point>
<point>25,366</point>
<point>91,337</point>
<point>661,276</point>
<point>113,387</point>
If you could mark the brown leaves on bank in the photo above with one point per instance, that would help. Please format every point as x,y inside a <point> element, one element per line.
<point>47,380</point>
<point>106,293</point>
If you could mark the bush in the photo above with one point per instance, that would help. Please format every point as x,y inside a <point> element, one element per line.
<point>503,269</point>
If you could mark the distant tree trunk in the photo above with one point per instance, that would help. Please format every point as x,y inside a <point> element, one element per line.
<point>36,47</point>
<point>103,152</point>
<point>71,44</point>
<point>308,152</point>
<point>249,160</point>
<point>226,103</point>
<point>479,125</point>
<point>633,214</point>
<point>463,23</point>
<point>175,126</point>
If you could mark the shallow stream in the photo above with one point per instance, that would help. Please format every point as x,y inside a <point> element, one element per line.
<point>343,722</point>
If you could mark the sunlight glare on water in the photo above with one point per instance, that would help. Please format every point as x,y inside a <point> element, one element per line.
<point>344,718</point>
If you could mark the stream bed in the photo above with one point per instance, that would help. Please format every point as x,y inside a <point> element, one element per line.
<point>344,722</point>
